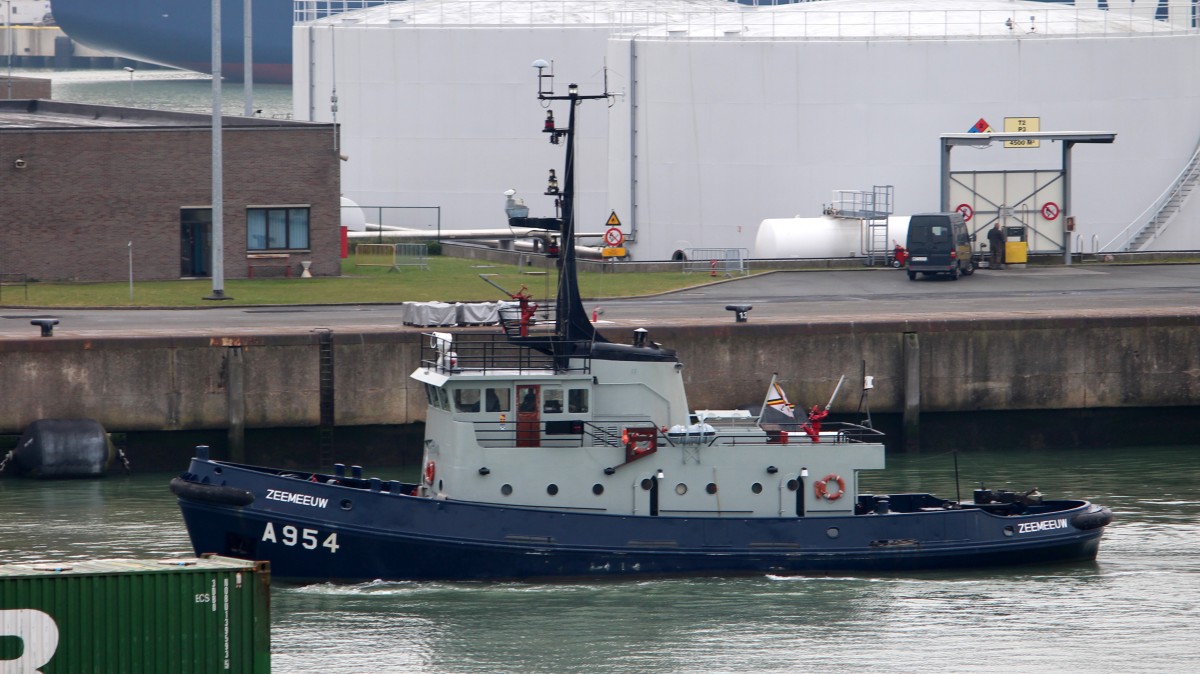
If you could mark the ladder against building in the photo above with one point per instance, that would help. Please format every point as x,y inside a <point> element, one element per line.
<point>872,210</point>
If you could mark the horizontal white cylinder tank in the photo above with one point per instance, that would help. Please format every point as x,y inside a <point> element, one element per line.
<point>821,237</point>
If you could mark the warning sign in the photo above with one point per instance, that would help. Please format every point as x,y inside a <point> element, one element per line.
<point>613,221</point>
<point>1050,210</point>
<point>967,212</point>
<point>1022,125</point>
<point>980,127</point>
<point>613,237</point>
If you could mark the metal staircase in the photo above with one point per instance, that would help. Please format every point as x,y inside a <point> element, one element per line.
<point>1160,213</point>
<point>872,209</point>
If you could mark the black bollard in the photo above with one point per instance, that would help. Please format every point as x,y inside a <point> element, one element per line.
<point>47,325</point>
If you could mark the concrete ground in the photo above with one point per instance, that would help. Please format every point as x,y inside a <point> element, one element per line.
<point>858,295</point>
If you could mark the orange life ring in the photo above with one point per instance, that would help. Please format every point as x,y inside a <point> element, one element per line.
<point>821,487</point>
<point>430,471</point>
<point>639,441</point>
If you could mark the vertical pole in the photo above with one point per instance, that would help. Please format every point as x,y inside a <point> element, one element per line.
<point>8,38</point>
<point>218,188</point>
<point>945,176</point>
<point>131,272</point>
<point>248,57</point>
<point>1066,204</point>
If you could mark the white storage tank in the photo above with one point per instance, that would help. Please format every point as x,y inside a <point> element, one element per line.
<point>726,115</point>
<point>820,237</point>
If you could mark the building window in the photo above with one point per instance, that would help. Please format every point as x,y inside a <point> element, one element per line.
<point>276,228</point>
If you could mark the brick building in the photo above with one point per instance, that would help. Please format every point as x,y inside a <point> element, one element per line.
<point>79,182</point>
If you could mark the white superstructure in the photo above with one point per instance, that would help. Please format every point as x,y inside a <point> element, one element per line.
<point>726,115</point>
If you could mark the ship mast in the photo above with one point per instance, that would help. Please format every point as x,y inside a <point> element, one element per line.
<point>571,321</point>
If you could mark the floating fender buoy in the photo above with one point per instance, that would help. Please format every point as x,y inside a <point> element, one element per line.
<point>213,493</point>
<point>1093,519</point>
<point>64,448</point>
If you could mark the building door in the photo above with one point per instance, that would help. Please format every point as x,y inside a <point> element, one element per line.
<point>195,242</point>
<point>528,418</point>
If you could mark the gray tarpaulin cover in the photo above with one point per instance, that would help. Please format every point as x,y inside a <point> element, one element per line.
<point>478,313</point>
<point>427,314</point>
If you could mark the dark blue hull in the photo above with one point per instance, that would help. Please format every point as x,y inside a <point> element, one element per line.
<point>310,531</point>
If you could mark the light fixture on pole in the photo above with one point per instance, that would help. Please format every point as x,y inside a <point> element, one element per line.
<point>130,70</point>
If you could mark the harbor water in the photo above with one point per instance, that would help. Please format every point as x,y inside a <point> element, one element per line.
<point>1133,610</point>
<point>159,89</point>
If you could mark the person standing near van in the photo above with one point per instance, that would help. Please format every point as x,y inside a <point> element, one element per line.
<point>996,241</point>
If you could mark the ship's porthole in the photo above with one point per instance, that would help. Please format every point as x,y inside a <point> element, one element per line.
<point>793,485</point>
<point>1008,531</point>
<point>756,488</point>
<point>506,489</point>
<point>647,484</point>
<point>552,489</point>
<point>711,488</point>
<point>833,532</point>
<point>597,489</point>
<point>218,470</point>
<point>347,504</point>
<point>681,489</point>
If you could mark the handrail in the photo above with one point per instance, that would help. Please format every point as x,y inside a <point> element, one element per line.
<point>733,20</point>
<point>1173,188</point>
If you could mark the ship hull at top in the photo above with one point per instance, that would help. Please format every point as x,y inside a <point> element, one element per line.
<point>178,33</point>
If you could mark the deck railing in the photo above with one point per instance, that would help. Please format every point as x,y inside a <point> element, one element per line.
<point>810,20</point>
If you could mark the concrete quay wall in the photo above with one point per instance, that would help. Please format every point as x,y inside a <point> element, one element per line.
<point>952,364</point>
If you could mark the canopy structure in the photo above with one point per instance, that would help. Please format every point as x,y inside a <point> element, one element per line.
<point>1068,138</point>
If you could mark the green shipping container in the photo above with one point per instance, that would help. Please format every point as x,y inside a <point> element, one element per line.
<point>136,617</point>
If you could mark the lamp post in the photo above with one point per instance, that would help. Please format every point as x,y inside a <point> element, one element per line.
<point>8,37</point>
<point>218,187</point>
<point>130,71</point>
<point>571,322</point>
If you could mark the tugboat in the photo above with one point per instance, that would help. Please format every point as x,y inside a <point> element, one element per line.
<point>553,452</point>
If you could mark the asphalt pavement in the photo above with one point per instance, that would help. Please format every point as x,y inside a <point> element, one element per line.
<point>778,297</point>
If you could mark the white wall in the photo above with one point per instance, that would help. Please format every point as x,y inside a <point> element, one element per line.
<point>449,116</point>
<point>730,133</point>
<point>714,136</point>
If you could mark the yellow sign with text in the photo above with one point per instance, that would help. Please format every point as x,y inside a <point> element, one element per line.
<point>1022,125</point>
<point>613,252</point>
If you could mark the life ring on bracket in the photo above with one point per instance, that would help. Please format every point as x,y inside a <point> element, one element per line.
<point>822,487</point>
<point>639,441</point>
<point>430,472</point>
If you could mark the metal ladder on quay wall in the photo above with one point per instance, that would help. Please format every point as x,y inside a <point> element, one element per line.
<point>325,395</point>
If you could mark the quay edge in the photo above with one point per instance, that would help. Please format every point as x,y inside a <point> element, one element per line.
<point>151,382</point>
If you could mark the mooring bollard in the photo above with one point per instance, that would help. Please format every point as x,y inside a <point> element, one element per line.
<point>739,311</point>
<point>47,325</point>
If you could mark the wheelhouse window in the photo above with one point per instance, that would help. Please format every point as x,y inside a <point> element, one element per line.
<point>577,400</point>
<point>276,228</point>
<point>466,399</point>
<point>552,400</point>
<point>498,400</point>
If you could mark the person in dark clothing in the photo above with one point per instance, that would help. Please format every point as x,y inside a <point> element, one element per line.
<point>996,241</point>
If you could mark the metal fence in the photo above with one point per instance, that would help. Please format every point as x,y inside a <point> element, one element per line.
<point>391,255</point>
<point>717,261</point>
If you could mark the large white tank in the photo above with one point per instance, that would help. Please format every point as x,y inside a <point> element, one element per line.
<point>726,115</point>
<point>353,218</point>
<point>820,237</point>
